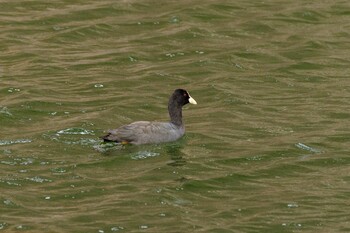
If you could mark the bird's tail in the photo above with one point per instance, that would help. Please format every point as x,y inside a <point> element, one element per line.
<point>107,138</point>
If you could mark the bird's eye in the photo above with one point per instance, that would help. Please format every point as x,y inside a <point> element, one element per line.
<point>185,94</point>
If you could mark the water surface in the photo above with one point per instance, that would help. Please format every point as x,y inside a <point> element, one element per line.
<point>266,148</point>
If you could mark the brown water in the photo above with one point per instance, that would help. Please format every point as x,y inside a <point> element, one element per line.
<point>266,148</point>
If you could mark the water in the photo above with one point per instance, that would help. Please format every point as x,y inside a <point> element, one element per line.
<point>266,148</point>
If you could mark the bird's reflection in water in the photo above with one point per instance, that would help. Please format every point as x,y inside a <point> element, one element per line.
<point>176,155</point>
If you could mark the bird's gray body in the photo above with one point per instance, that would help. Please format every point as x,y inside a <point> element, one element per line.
<point>146,132</point>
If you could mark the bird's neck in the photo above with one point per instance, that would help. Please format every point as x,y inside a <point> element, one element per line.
<point>175,113</point>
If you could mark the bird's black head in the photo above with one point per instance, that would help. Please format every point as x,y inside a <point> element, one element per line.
<point>182,97</point>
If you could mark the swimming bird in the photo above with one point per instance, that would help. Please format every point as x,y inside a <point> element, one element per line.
<point>147,132</point>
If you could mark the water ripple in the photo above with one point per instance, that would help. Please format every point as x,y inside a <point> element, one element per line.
<point>10,142</point>
<point>307,148</point>
<point>74,131</point>
<point>144,155</point>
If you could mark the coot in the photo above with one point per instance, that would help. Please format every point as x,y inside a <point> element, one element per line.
<point>145,132</point>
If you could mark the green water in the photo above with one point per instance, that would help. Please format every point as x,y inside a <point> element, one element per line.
<point>266,148</point>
